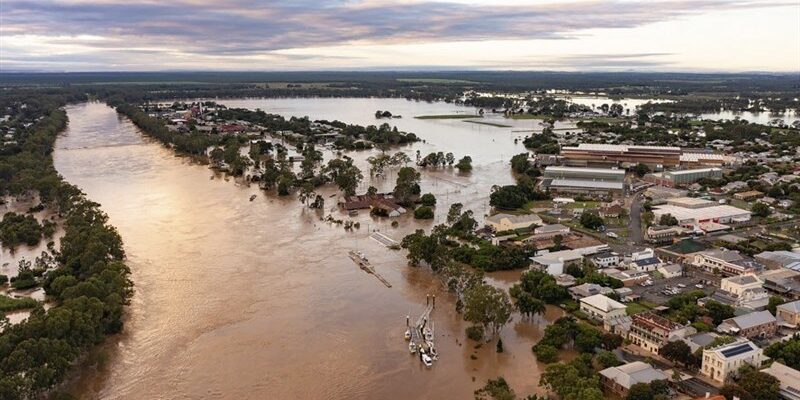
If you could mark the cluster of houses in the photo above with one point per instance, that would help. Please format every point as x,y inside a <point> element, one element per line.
<point>730,278</point>
<point>753,327</point>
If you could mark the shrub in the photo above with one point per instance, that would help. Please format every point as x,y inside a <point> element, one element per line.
<point>546,353</point>
<point>428,199</point>
<point>423,212</point>
<point>475,333</point>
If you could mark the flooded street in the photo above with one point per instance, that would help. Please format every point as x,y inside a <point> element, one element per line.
<point>253,300</point>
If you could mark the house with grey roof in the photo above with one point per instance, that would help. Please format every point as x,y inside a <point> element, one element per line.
<point>700,340</point>
<point>617,381</point>
<point>759,324</point>
<point>788,379</point>
<point>588,289</point>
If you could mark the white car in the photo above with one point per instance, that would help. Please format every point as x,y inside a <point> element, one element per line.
<point>682,286</point>
<point>699,286</point>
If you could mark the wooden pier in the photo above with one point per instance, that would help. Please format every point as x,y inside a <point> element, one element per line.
<point>364,264</point>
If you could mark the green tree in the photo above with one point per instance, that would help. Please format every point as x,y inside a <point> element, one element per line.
<point>495,389</point>
<point>464,165</point>
<point>677,351</point>
<point>570,382</point>
<point>423,212</point>
<point>346,175</point>
<point>488,306</point>
<point>641,170</point>
<point>591,221</point>
<point>407,186</point>
<point>668,220</point>
<point>760,210</point>
<point>428,199</point>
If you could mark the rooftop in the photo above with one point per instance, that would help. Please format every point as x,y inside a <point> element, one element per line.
<point>603,303</point>
<point>687,246</point>
<point>787,376</point>
<point>587,183</point>
<point>738,349</point>
<point>751,320</point>
<point>606,171</point>
<point>515,219</point>
<point>632,373</point>
<point>704,213</point>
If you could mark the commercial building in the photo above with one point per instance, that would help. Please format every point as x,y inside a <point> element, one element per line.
<point>663,233</point>
<point>590,154</point>
<point>584,181</point>
<point>788,378</point>
<point>779,259</point>
<point>707,159</point>
<point>759,324</point>
<point>651,332</point>
<point>696,215</point>
<point>722,362</point>
<point>682,177</point>
<point>617,381</point>
<point>727,262</point>
<point>784,282</point>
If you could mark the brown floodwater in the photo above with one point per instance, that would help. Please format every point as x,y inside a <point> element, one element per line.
<point>258,300</point>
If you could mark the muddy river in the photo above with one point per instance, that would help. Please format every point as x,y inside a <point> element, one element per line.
<point>258,300</point>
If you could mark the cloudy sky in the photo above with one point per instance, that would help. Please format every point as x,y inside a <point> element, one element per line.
<point>654,35</point>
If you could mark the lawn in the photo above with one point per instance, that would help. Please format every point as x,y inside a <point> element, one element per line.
<point>608,120</point>
<point>448,116</point>
<point>636,308</point>
<point>527,116</point>
<point>489,123</point>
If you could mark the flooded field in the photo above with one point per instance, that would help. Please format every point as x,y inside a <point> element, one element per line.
<point>241,299</point>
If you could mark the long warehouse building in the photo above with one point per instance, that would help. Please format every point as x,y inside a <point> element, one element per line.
<point>601,182</point>
<point>608,155</point>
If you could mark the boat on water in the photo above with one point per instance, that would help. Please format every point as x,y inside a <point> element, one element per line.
<point>412,347</point>
<point>427,360</point>
<point>407,334</point>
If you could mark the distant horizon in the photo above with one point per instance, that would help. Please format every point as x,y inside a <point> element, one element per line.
<point>413,70</point>
<point>701,36</point>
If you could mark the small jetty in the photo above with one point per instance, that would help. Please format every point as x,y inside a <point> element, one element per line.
<point>360,259</point>
<point>421,334</point>
<point>385,240</point>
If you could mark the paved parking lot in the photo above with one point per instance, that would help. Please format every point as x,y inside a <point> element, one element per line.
<point>653,293</point>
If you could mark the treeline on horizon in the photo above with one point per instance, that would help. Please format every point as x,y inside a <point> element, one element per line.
<point>611,82</point>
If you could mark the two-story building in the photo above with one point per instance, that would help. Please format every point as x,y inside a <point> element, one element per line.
<point>726,262</point>
<point>610,312</point>
<point>651,332</point>
<point>722,362</point>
